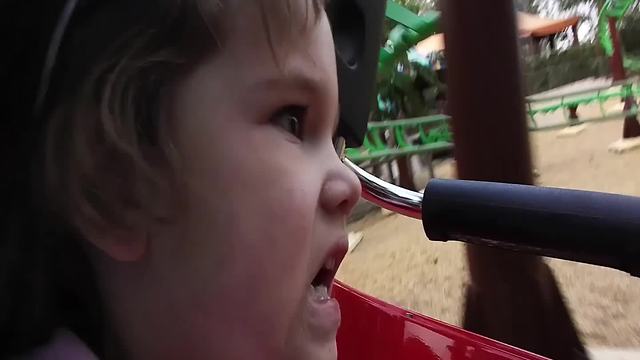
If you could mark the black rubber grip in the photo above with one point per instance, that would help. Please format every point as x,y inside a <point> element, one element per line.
<point>591,227</point>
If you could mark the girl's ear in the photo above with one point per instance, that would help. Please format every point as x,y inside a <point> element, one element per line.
<point>124,244</point>
<point>127,238</point>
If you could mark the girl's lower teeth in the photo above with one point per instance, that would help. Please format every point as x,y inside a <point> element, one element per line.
<point>320,293</point>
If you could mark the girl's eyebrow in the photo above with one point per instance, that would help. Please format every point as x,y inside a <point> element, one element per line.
<point>299,82</point>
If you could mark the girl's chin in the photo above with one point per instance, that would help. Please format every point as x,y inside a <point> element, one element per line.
<point>314,350</point>
<point>315,337</point>
<point>322,315</point>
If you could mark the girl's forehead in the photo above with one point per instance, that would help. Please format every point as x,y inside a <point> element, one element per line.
<point>268,30</point>
<point>263,47</point>
<point>281,20</point>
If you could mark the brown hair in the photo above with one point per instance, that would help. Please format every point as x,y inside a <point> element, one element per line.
<point>107,142</point>
<point>105,151</point>
<point>107,124</point>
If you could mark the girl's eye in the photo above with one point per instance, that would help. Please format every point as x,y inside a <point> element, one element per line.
<point>291,119</point>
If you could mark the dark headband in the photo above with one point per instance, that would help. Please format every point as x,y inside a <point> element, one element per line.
<point>51,56</point>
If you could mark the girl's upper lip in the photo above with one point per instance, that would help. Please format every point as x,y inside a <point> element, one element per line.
<point>339,250</point>
<point>333,256</point>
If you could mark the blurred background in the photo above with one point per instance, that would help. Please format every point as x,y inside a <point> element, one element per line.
<point>580,77</point>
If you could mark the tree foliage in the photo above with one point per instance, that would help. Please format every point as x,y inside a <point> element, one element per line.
<point>630,33</point>
<point>525,5</point>
<point>572,4</point>
<point>420,6</point>
<point>413,89</point>
<point>413,86</point>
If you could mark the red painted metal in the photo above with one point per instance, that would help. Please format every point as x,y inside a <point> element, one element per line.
<point>372,329</point>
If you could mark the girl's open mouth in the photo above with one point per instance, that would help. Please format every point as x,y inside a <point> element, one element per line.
<point>324,311</point>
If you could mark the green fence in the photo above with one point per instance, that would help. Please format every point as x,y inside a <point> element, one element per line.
<point>388,140</point>
<point>545,105</point>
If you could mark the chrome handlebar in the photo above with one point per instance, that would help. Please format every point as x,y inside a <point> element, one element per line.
<point>386,195</point>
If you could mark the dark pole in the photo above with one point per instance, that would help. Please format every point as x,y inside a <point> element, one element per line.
<point>512,297</point>
<point>538,45</point>
<point>617,63</point>
<point>631,127</point>
<point>574,30</point>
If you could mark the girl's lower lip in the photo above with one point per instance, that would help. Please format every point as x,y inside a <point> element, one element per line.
<point>323,315</point>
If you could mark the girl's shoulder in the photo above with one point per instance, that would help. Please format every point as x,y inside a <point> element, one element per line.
<point>63,345</point>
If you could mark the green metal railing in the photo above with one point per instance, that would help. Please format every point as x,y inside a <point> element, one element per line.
<point>388,140</point>
<point>566,102</point>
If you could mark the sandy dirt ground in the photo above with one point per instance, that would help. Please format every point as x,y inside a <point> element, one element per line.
<point>396,263</point>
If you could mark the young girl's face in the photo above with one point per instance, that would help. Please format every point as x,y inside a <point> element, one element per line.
<point>239,272</point>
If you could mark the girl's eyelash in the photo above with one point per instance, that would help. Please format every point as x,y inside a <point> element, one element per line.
<point>291,118</point>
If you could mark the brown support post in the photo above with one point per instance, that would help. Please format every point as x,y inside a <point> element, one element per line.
<point>512,297</point>
<point>573,115</point>
<point>631,127</point>
<point>576,41</point>
<point>617,63</point>
<point>405,173</point>
<point>538,44</point>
